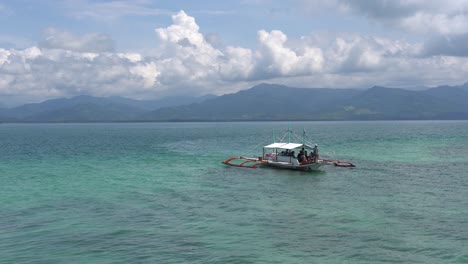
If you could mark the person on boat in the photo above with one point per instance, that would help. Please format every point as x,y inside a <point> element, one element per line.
<point>311,158</point>
<point>315,153</point>
<point>301,152</point>
<point>300,156</point>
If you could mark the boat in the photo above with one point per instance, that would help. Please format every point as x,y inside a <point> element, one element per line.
<point>288,155</point>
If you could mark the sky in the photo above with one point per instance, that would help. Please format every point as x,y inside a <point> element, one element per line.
<point>146,49</point>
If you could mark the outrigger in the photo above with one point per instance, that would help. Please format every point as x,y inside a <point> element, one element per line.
<point>287,155</point>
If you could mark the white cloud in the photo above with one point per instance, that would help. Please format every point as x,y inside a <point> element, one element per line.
<point>416,16</point>
<point>435,23</point>
<point>4,55</point>
<point>187,54</point>
<point>360,54</point>
<point>185,58</point>
<point>237,64</point>
<point>444,24</point>
<point>58,39</point>
<point>277,59</point>
<point>43,73</point>
<point>186,63</point>
<point>31,53</point>
<point>133,57</point>
<point>148,72</point>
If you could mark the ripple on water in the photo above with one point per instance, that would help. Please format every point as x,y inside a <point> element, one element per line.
<point>157,193</point>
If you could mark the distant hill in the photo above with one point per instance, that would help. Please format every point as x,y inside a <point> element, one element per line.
<point>456,96</point>
<point>90,109</point>
<point>261,102</point>
<point>389,103</point>
<point>275,102</point>
<point>156,104</point>
<point>87,112</point>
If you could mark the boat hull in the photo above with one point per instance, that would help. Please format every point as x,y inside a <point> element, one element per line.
<point>291,166</point>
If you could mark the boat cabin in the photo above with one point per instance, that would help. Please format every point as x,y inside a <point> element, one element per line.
<point>294,154</point>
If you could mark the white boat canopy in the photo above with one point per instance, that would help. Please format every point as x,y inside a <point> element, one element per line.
<point>288,146</point>
<point>275,145</point>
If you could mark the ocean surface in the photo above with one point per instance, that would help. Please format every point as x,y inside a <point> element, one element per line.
<point>158,193</point>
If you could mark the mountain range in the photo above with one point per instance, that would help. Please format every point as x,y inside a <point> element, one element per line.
<point>264,102</point>
<point>85,108</point>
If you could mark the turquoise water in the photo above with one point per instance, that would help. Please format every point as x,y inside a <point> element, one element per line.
<point>158,193</point>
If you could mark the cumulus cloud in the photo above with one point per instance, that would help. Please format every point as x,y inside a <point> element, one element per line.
<point>355,53</point>
<point>64,64</point>
<point>187,53</point>
<point>443,23</point>
<point>44,73</point>
<point>186,59</point>
<point>275,58</point>
<point>148,73</point>
<point>186,62</point>
<point>59,39</point>
<point>417,16</point>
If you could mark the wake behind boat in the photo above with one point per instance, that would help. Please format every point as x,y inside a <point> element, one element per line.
<point>288,155</point>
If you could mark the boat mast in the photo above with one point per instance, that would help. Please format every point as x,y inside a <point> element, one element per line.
<point>303,136</point>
